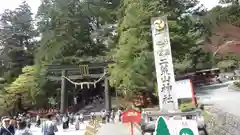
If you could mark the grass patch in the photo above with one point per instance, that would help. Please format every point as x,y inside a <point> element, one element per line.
<point>236,85</point>
<point>206,116</point>
<point>188,106</point>
<point>184,107</point>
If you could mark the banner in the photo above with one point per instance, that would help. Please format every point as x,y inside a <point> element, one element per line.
<point>163,63</point>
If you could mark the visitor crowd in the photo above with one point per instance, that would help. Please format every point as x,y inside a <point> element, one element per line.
<point>21,124</point>
<point>108,116</point>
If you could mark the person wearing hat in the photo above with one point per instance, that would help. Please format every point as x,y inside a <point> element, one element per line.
<point>7,128</point>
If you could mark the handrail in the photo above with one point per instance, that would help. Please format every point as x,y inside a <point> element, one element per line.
<point>157,113</point>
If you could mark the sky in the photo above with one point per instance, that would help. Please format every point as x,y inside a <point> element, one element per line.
<point>209,3</point>
<point>12,4</point>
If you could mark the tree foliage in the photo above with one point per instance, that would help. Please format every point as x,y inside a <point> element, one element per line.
<point>70,31</point>
<point>233,2</point>
<point>16,38</point>
<point>25,85</point>
<point>224,21</point>
<point>67,28</point>
<point>134,67</point>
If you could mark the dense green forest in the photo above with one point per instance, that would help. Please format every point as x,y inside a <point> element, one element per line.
<point>73,31</point>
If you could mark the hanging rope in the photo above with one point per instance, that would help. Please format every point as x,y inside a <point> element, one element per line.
<point>94,83</point>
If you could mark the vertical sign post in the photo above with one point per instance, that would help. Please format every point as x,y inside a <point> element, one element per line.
<point>163,64</point>
<point>131,126</point>
<point>131,116</point>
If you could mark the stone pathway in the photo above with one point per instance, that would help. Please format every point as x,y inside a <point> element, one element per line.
<point>70,131</point>
<point>117,129</point>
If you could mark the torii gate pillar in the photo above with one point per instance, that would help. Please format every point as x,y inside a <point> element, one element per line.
<point>107,94</point>
<point>64,94</point>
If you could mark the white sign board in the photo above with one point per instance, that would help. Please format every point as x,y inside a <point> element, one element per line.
<point>163,63</point>
<point>176,127</point>
<point>184,89</point>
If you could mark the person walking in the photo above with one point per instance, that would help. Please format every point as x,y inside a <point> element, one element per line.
<point>92,115</point>
<point>103,115</point>
<point>49,127</point>
<point>58,119</point>
<point>28,121</point>
<point>112,115</point>
<point>71,118</point>
<point>23,129</point>
<point>81,116</point>
<point>119,113</point>
<point>7,128</point>
<point>38,121</point>
<point>65,120</point>
<point>77,124</point>
<point>108,116</point>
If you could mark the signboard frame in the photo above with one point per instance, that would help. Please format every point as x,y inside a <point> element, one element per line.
<point>184,90</point>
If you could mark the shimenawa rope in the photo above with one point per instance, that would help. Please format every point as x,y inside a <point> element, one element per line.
<point>87,83</point>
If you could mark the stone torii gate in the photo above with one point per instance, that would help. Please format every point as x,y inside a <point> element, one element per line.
<point>85,70</point>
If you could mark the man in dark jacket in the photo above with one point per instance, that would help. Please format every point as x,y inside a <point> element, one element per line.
<point>7,128</point>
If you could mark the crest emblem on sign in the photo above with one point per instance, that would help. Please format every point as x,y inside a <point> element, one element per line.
<point>186,131</point>
<point>159,25</point>
<point>84,69</point>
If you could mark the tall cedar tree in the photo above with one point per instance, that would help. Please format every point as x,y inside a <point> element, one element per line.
<point>67,27</point>
<point>134,67</point>
<point>17,40</point>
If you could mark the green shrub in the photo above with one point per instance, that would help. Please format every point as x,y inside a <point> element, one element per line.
<point>237,84</point>
<point>184,107</point>
<point>206,116</point>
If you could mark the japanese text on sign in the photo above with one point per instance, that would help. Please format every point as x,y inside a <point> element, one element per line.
<point>163,52</point>
<point>166,88</point>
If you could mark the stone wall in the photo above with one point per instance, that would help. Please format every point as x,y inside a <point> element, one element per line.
<point>222,123</point>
